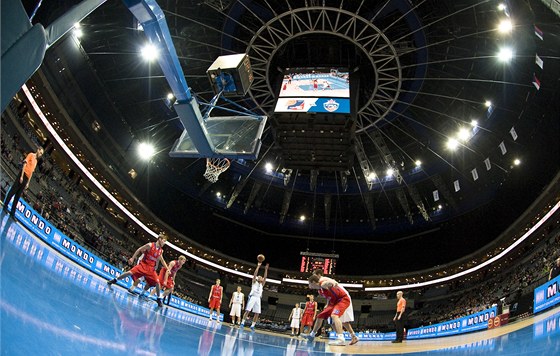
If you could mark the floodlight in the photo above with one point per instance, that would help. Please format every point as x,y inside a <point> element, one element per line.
<point>452,144</point>
<point>464,134</point>
<point>146,151</point>
<point>149,52</point>
<point>505,54</point>
<point>505,26</point>
<point>268,167</point>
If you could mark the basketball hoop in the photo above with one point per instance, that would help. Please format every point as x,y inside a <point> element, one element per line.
<point>215,167</point>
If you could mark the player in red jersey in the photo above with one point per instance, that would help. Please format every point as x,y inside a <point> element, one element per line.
<point>167,277</point>
<point>339,303</point>
<point>153,252</point>
<point>309,314</point>
<point>215,299</point>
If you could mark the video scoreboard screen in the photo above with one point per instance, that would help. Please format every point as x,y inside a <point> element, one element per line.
<point>311,261</point>
<point>315,90</point>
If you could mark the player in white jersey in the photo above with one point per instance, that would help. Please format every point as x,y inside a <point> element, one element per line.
<point>236,304</point>
<point>254,302</point>
<point>295,317</point>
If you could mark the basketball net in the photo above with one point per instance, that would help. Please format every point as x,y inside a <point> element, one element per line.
<point>215,167</point>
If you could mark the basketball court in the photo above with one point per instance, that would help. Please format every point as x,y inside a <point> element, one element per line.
<point>49,305</point>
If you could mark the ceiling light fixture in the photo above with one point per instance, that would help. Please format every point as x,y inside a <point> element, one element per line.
<point>146,151</point>
<point>505,54</point>
<point>149,52</point>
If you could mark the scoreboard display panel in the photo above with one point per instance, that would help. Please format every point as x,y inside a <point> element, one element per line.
<point>311,261</point>
<point>314,90</point>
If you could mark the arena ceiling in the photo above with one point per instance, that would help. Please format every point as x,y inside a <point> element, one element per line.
<point>429,77</point>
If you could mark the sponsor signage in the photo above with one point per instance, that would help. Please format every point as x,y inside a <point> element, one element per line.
<point>547,295</point>
<point>77,253</point>
<point>473,322</point>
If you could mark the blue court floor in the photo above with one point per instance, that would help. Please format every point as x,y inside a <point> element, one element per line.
<point>50,306</point>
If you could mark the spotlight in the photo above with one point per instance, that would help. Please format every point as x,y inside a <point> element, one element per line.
<point>149,52</point>
<point>505,26</point>
<point>517,162</point>
<point>78,32</point>
<point>501,6</point>
<point>474,123</point>
<point>390,172</point>
<point>302,218</point>
<point>371,176</point>
<point>418,163</point>
<point>268,167</point>
<point>452,144</point>
<point>505,54</point>
<point>488,103</point>
<point>146,151</point>
<point>464,134</point>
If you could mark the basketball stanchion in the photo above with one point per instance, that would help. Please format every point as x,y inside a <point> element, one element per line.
<point>215,167</point>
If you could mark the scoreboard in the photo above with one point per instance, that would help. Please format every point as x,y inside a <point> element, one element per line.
<point>311,261</point>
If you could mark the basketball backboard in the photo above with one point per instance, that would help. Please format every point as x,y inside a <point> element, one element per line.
<point>233,137</point>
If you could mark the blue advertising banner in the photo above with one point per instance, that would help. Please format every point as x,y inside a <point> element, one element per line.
<point>365,336</point>
<point>77,253</point>
<point>546,295</point>
<point>473,322</point>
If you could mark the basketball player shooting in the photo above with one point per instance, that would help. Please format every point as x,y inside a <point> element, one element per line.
<point>254,302</point>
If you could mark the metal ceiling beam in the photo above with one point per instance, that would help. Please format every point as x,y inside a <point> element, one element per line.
<point>285,205</point>
<point>219,5</point>
<point>364,165</point>
<point>381,146</point>
<point>252,196</point>
<point>401,196</point>
<point>238,188</point>
<point>344,180</point>
<point>327,203</point>
<point>313,180</point>
<point>368,200</point>
<point>418,201</point>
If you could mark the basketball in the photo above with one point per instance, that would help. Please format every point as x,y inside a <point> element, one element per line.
<point>260,258</point>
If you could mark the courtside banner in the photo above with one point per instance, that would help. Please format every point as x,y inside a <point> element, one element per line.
<point>77,253</point>
<point>68,247</point>
<point>473,322</point>
<point>546,295</point>
<point>366,336</point>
